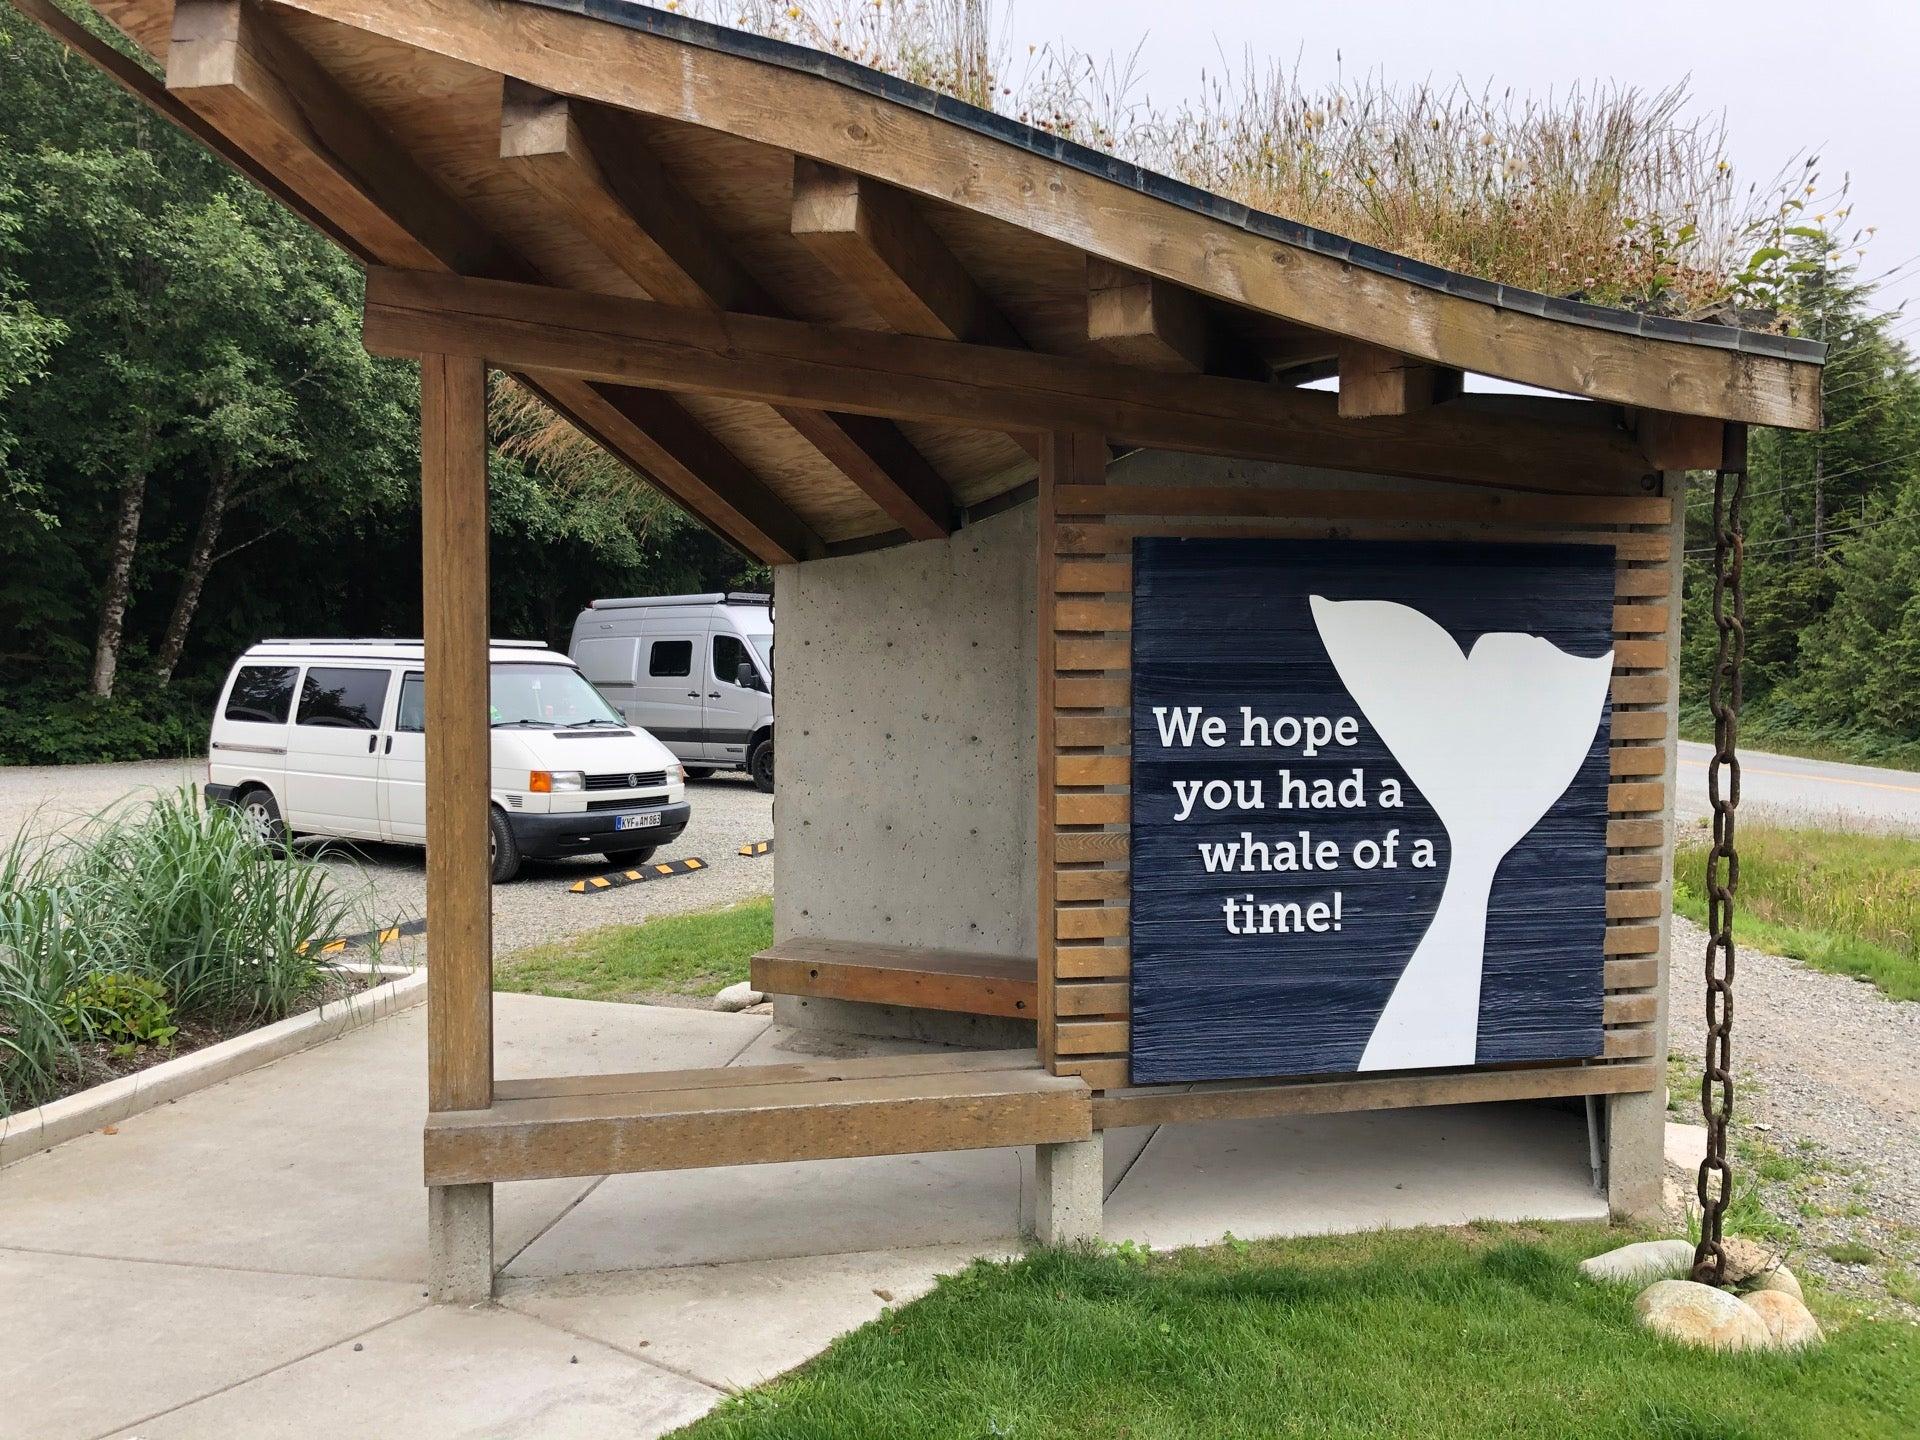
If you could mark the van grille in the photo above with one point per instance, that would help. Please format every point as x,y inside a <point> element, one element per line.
<point>627,780</point>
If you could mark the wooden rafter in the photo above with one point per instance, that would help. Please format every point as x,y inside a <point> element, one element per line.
<point>1680,442</point>
<point>1379,382</point>
<point>752,357</point>
<point>1139,319</point>
<point>922,153</point>
<point>594,166</point>
<point>234,68</point>
<point>873,239</point>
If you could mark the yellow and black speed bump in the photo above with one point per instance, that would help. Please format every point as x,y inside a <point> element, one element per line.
<point>385,936</point>
<point>659,870</point>
<point>757,847</point>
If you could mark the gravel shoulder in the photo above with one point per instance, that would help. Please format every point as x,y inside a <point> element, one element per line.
<point>1828,1068</point>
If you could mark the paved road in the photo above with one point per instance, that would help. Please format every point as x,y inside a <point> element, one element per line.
<point>1820,792</point>
<point>387,883</point>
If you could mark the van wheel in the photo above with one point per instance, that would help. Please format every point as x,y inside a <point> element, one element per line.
<point>760,765</point>
<point>699,772</point>
<point>503,852</point>
<point>627,859</point>
<point>260,813</point>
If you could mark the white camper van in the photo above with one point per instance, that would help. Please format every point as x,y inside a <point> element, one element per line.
<point>327,737</point>
<point>695,670</point>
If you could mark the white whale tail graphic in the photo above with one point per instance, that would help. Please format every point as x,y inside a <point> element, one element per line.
<point>1492,739</point>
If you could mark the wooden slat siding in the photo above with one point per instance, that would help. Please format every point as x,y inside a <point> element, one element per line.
<point>1108,538</point>
<point>1091,885</point>
<point>1091,692</point>
<point>1091,997</point>
<point>1077,458</point>
<point>1637,581</point>
<point>1634,869</point>
<point>1082,846</point>
<point>1637,760</point>
<point>1086,652</point>
<point>1631,940</point>
<point>1094,577</point>
<point>1236,1100</point>
<point>1079,808</point>
<point>747,1077</point>
<point>1092,1037</point>
<point>453,516</point>
<point>1639,724</point>
<point>548,1136</point>
<point>1288,503</point>
<point>1092,961</point>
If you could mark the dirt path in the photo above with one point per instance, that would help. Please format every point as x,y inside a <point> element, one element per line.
<point>1833,1064</point>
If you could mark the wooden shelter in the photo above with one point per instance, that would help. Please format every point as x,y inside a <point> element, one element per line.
<point>830,313</point>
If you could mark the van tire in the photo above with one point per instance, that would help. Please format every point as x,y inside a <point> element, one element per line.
<point>699,772</point>
<point>760,765</point>
<point>260,812</point>
<point>627,859</point>
<point>503,849</point>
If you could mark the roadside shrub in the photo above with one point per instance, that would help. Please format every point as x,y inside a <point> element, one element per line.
<point>169,901</point>
<point>126,1011</point>
<point>43,723</point>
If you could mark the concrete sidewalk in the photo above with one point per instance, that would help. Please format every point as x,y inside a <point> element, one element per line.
<point>250,1261</point>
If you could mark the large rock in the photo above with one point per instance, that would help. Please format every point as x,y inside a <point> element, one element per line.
<point>1746,1259</point>
<point>1790,1325</point>
<point>737,997</point>
<point>1779,1278</point>
<point>1638,1263</point>
<point>1696,1314</point>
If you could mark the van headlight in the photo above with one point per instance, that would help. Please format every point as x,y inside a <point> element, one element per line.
<point>555,782</point>
<point>676,773</point>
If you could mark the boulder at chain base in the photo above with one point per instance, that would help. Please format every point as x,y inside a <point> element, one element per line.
<point>1779,1278</point>
<point>1641,1262</point>
<point>1696,1314</point>
<point>1790,1325</point>
<point>1746,1259</point>
<point>737,996</point>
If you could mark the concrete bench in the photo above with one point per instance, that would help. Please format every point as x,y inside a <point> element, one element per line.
<point>757,1115</point>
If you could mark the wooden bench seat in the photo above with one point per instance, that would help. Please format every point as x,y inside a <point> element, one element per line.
<point>957,980</point>
<point>756,1115</point>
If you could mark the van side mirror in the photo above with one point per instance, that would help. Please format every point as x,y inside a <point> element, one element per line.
<point>746,677</point>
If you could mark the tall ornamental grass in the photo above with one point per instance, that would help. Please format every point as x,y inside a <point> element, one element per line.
<point>174,892</point>
<point>1618,195</point>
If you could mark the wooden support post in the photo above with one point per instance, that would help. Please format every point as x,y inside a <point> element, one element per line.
<point>453,518</point>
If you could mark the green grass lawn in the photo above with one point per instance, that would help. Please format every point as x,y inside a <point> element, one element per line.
<point>1467,1333</point>
<point>695,954</point>
<point>1839,901</point>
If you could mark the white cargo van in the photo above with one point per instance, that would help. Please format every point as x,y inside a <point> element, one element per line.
<point>327,737</point>
<point>695,670</point>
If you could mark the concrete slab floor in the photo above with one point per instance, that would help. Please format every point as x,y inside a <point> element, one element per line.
<point>214,1263</point>
<point>1324,1174</point>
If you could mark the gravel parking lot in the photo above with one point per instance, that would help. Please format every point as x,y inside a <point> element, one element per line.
<point>388,882</point>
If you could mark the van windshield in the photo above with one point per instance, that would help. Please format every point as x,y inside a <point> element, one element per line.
<point>547,697</point>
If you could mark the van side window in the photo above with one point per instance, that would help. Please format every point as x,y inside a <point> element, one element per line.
<point>412,715</point>
<point>729,654</point>
<point>262,694</point>
<point>670,657</point>
<point>343,699</point>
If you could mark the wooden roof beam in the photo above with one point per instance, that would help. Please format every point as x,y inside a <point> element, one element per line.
<point>871,237</point>
<point>786,362</point>
<point>1379,382</point>
<point>921,153</point>
<point>590,163</point>
<point>269,102</point>
<point>1680,442</point>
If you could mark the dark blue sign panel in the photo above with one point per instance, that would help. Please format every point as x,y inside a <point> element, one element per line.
<point>1369,805</point>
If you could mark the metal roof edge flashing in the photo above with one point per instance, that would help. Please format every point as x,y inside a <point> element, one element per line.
<point>687,30</point>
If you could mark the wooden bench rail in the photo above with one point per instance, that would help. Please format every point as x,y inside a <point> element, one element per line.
<point>957,980</point>
<point>690,1119</point>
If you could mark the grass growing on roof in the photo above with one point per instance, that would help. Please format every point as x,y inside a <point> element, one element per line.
<point>1435,1334</point>
<point>697,954</point>
<point>1837,900</point>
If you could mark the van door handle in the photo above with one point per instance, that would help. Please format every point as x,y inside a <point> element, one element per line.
<point>713,694</point>
<point>389,749</point>
<point>373,743</point>
<point>693,694</point>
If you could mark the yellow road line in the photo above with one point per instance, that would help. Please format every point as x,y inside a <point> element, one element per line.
<point>1746,769</point>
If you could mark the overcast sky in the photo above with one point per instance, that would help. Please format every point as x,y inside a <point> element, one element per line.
<point>1841,79</point>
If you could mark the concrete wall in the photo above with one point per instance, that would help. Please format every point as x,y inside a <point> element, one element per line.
<point>904,801</point>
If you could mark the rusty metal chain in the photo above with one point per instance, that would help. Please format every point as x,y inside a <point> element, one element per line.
<point>1723,860</point>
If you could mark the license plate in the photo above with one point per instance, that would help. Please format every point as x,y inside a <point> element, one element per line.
<point>648,821</point>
